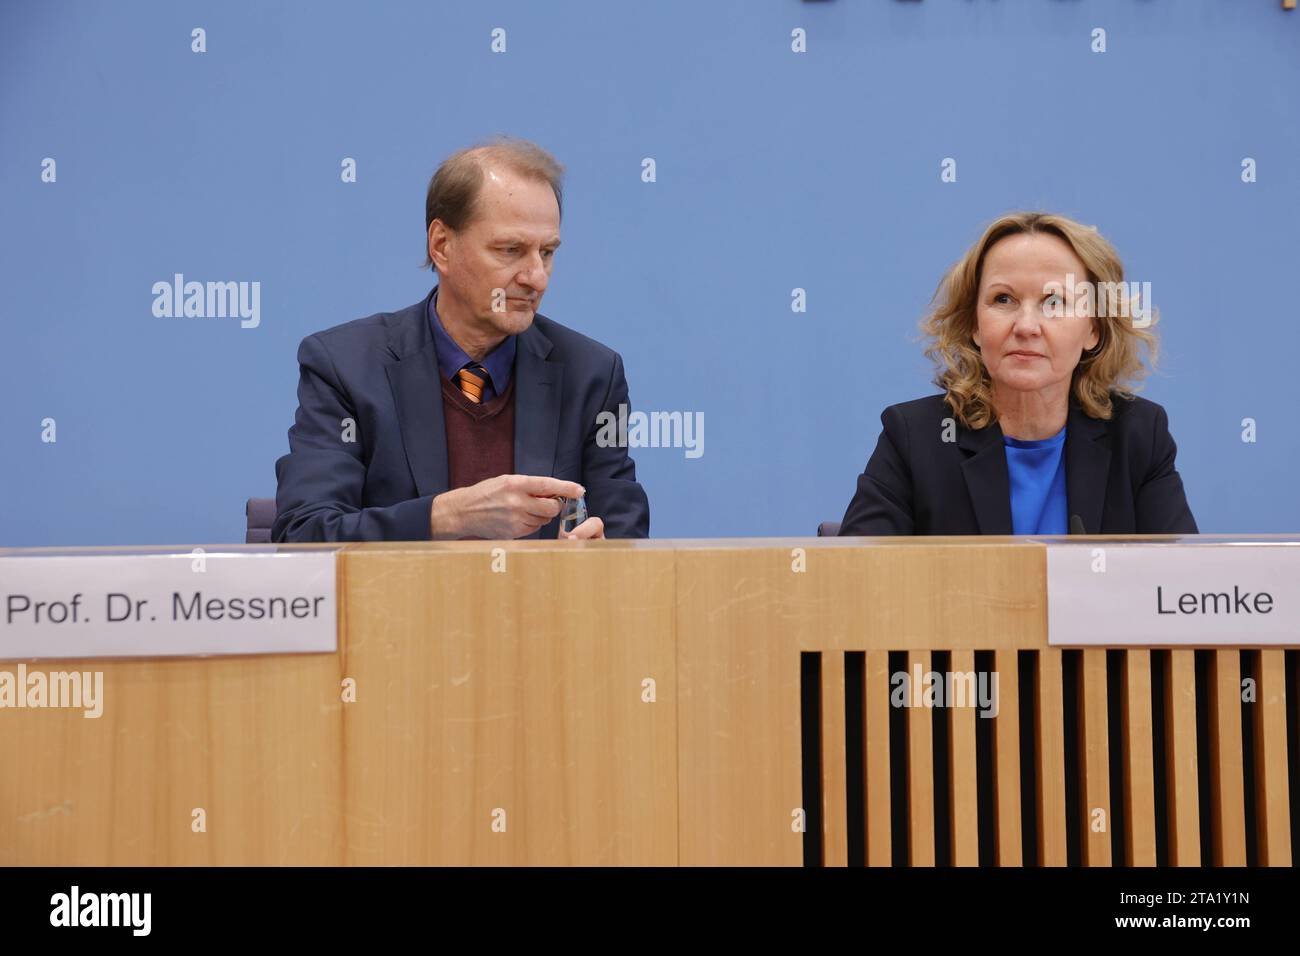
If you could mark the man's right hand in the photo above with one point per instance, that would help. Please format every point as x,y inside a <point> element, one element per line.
<point>508,506</point>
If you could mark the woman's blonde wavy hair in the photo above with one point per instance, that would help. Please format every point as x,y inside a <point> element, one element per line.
<point>1113,365</point>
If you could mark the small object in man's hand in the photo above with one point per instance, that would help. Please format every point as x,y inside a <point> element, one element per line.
<point>573,512</point>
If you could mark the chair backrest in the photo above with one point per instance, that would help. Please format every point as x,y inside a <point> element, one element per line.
<point>261,515</point>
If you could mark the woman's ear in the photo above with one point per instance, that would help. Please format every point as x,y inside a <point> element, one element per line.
<point>1093,337</point>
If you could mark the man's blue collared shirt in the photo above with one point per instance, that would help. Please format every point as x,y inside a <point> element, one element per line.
<point>499,363</point>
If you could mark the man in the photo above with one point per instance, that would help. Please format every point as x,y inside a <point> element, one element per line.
<point>466,415</point>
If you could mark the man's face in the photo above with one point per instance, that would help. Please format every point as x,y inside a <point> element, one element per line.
<point>497,267</point>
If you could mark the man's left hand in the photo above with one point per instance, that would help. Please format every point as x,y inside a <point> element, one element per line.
<point>590,529</point>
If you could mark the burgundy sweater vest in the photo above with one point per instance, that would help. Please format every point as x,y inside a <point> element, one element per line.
<point>480,438</point>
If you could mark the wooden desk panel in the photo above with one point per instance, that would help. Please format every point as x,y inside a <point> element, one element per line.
<point>254,742</point>
<point>500,719</point>
<point>500,716</point>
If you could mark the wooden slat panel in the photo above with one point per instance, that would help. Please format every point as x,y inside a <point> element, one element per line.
<point>1226,773</point>
<point>882,596</point>
<point>1050,750</point>
<point>1180,746</point>
<point>920,765</point>
<point>1095,759</point>
<point>1139,778</point>
<point>1006,760</point>
<point>876,759</point>
<point>835,836</point>
<point>1271,799</point>
<point>745,611</point>
<point>962,767</point>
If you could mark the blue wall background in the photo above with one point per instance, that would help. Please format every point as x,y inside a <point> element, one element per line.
<point>775,170</point>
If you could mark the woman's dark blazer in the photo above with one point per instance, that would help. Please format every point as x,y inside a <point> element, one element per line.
<point>1119,474</point>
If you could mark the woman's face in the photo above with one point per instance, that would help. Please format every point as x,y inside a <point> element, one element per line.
<point>1030,331</point>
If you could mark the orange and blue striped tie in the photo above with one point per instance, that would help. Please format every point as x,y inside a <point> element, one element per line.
<point>472,379</point>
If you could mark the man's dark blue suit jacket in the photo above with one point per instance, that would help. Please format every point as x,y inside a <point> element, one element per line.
<point>381,373</point>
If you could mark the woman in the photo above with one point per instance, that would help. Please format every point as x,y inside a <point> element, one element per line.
<point>1038,430</point>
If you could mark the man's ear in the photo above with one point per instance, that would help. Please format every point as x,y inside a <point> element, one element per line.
<point>440,239</point>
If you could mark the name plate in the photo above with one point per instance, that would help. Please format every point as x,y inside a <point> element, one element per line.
<point>167,605</point>
<point>1173,594</point>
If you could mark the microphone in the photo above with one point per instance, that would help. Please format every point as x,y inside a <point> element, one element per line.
<point>1076,525</point>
